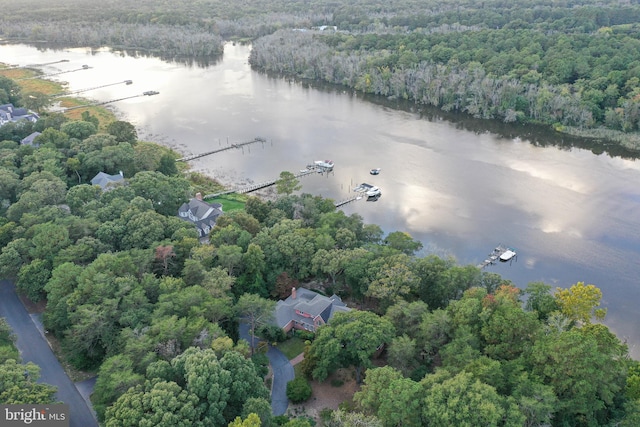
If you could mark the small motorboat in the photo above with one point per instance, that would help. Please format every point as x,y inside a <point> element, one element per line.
<point>375,171</point>
<point>324,164</point>
<point>373,192</point>
<point>507,255</point>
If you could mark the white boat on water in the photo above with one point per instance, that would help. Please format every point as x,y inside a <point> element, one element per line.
<point>373,192</point>
<point>507,255</point>
<point>324,164</point>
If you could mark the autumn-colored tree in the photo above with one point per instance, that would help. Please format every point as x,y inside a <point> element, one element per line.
<point>579,302</point>
<point>284,284</point>
<point>252,420</point>
<point>164,254</point>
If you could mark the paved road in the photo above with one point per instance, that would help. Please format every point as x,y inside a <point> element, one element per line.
<point>282,373</point>
<point>34,348</point>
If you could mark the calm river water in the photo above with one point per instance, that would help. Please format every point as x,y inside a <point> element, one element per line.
<point>458,185</point>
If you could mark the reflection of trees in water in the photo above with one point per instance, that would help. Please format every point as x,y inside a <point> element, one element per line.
<point>538,135</point>
<point>189,61</point>
<point>200,61</point>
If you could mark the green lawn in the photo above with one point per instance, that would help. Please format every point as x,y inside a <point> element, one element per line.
<point>230,202</point>
<point>291,347</point>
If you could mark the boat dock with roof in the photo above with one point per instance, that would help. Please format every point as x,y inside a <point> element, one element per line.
<point>500,253</point>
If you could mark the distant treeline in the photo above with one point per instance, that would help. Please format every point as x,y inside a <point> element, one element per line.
<point>164,39</point>
<point>570,64</point>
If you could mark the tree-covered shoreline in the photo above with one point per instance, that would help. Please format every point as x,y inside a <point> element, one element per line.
<point>568,65</point>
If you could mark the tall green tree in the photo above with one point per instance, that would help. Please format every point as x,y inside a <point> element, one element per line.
<point>256,311</point>
<point>19,384</point>
<point>466,402</point>
<point>287,183</point>
<point>167,193</point>
<point>330,262</point>
<point>32,279</point>
<point>123,131</point>
<point>195,388</point>
<point>79,129</point>
<point>9,91</point>
<point>583,375</point>
<point>540,299</point>
<point>403,242</point>
<point>115,377</point>
<point>349,339</point>
<point>36,101</point>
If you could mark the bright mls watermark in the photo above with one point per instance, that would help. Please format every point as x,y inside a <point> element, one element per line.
<point>56,415</point>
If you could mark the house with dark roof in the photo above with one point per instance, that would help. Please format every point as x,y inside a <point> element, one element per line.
<point>202,214</point>
<point>28,140</point>
<point>9,113</point>
<point>106,181</point>
<point>308,310</point>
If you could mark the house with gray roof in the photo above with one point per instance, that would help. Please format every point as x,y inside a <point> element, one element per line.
<point>9,113</point>
<point>308,310</point>
<point>202,214</point>
<point>28,140</point>
<point>106,181</point>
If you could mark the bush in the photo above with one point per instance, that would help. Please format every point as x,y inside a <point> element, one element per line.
<point>272,333</point>
<point>280,420</point>
<point>262,363</point>
<point>337,383</point>
<point>298,390</point>
<point>305,335</point>
<point>325,415</point>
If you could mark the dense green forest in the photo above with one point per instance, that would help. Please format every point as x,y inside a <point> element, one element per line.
<point>132,294</point>
<point>572,65</point>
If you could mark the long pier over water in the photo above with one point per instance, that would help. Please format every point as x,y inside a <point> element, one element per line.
<point>256,187</point>
<point>229,147</point>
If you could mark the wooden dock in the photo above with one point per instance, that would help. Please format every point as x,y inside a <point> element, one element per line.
<point>95,104</point>
<point>349,200</point>
<point>228,147</point>
<point>256,187</point>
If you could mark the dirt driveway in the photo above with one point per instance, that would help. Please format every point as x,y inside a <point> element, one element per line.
<point>327,394</point>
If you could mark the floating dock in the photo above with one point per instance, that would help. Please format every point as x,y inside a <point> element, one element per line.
<point>363,188</point>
